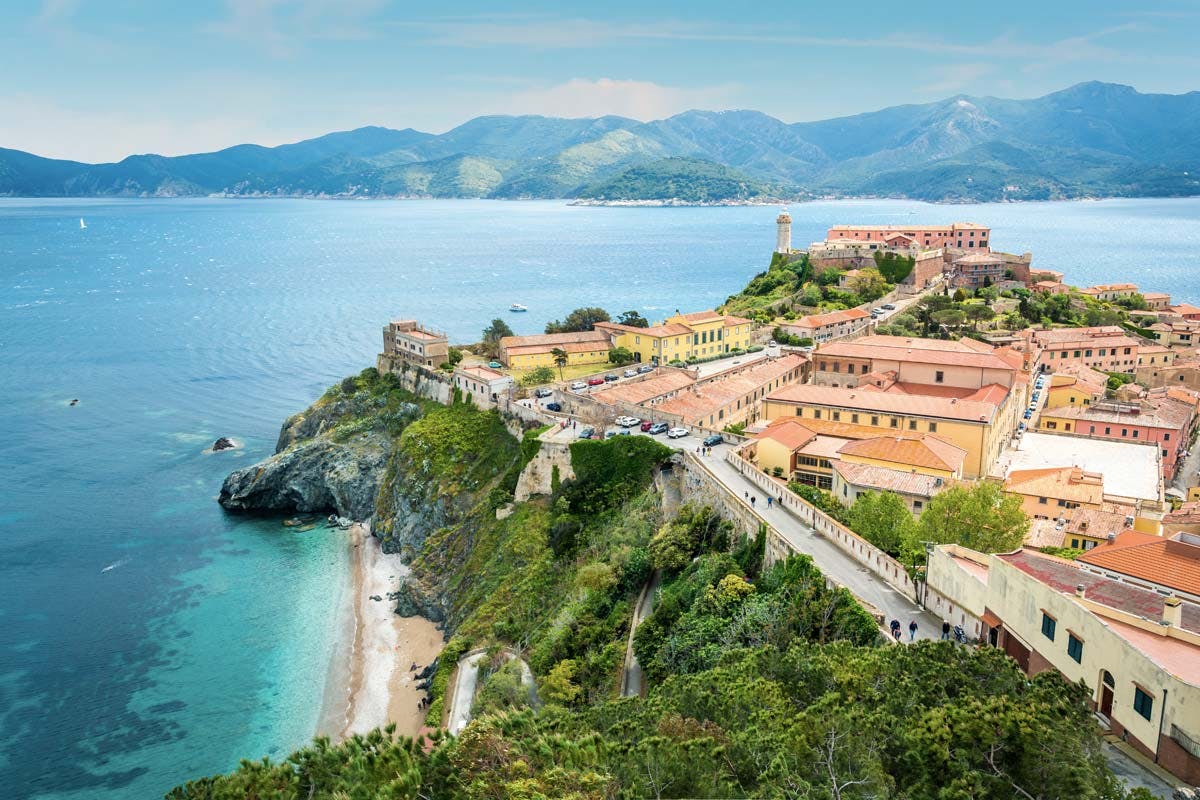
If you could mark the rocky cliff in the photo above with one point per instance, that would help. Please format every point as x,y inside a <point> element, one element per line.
<point>371,451</point>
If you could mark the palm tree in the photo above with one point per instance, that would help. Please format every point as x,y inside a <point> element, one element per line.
<point>560,360</point>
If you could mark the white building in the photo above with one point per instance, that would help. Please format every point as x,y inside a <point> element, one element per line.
<point>484,385</point>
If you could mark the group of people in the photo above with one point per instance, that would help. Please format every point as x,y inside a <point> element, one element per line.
<point>423,703</point>
<point>912,630</point>
<point>753,500</point>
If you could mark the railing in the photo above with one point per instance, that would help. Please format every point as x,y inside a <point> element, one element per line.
<point>1183,740</point>
<point>862,551</point>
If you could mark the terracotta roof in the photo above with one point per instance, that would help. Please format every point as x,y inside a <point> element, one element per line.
<point>1064,576</point>
<point>1156,295</point>
<point>554,339</point>
<point>848,430</point>
<point>887,403</point>
<point>789,432</point>
<point>1167,413</point>
<point>481,373</point>
<point>1059,483</point>
<point>1186,514</point>
<point>1126,538</point>
<point>928,451</point>
<point>566,347</point>
<point>705,399</point>
<point>1185,308</point>
<point>871,476</point>
<point>1097,523</point>
<point>698,316</point>
<point>1173,562</point>
<point>731,321</point>
<point>923,351</point>
<point>991,393</point>
<point>638,392</point>
<point>832,318</point>
<point>980,258</point>
<point>913,228</point>
<point>654,331</point>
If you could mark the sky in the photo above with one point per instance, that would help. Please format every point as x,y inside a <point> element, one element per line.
<point>96,80</point>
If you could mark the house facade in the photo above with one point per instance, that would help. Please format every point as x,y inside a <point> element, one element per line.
<point>700,334</point>
<point>409,341</point>
<point>529,352</point>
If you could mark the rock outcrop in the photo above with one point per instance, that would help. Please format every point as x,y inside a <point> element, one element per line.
<point>224,443</point>
<point>315,475</point>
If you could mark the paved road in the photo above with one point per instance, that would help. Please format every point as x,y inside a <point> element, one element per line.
<point>1133,774</point>
<point>631,684</point>
<point>829,558</point>
<point>464,692</point>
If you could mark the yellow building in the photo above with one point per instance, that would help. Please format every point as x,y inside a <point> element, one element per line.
<point>1075,386</point>
<point>527,352</point>
<point>701,334</point>
<point>925,455</point>
<point>979,422</point>
<point>1050,493</point>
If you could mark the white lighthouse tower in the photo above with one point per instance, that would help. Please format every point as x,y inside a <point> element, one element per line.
<point>783,238</point>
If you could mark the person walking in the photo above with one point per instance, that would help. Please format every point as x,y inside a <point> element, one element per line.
<point>945,631</point>
<point>895,626</point>
<point>912,630</point>
<point>752,501</point>
<point>770,501</point>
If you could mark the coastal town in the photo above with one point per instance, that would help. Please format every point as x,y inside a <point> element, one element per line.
<point>957,366</point>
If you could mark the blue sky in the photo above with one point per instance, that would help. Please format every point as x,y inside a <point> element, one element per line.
<point>100,79</point>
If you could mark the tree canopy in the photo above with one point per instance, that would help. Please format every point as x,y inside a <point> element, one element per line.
<point>982,517</point>
<point>633,319</point>
<point>581,319</point>
<point>492,335</point>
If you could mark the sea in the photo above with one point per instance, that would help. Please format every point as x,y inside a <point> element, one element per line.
<point>146,636</point>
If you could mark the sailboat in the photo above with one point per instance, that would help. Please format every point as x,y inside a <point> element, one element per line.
<point>82,224</point>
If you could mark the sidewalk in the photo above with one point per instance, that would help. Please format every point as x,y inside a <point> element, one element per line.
<point>828,557</point>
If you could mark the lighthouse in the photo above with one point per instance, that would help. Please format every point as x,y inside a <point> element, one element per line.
<point>783,238</point>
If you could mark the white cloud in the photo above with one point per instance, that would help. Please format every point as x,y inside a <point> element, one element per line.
<point>283,27</point>
<point>643,100</point>
<point>954,78</point>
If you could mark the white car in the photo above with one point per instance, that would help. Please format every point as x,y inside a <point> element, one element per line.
<point>578,386</point>
<point>629,373</point>
<point>628,422</point>
<point>677,433</point>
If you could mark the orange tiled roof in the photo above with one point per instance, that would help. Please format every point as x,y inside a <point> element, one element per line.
<point>654,331</point>
<point>927,451</point>
<point>791,433</point>
<point>638,392</point>
<point>1186,514</point>
<point>1066,483</point>
<point>708,397</point>
<point>871,476</point>
<point>831,318</point>
<point>887,403</point>
<point>554,339</point>
<point>922,351</point>
<point>1173,562</point>
<point>481,372</point>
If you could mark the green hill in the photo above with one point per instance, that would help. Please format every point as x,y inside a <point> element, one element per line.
<point>689,180</point>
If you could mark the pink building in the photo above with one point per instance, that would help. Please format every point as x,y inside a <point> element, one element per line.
<point>966,235</point>
<point>1106,348</point>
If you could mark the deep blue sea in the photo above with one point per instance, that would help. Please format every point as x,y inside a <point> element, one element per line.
<point>147,637</point>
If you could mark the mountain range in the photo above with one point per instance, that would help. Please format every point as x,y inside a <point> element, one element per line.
<point>1091,140</point>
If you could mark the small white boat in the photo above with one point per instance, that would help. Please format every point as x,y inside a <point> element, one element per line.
<point>517,307</point>
<point>82,224</point>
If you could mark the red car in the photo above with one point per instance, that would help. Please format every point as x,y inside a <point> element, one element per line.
<point>646,425</point>
<point>595,381</point>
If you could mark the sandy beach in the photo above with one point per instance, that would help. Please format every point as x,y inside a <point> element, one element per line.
<point>370,681</point>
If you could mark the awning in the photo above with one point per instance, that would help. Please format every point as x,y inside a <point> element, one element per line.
<point>990,619</point>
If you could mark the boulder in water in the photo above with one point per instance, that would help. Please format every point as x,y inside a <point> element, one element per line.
<point>223,443</point>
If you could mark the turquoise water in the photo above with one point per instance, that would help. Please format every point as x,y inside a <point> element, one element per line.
<point>147,637</point>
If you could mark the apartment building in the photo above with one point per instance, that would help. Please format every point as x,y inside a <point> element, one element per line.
<point>409,341</point>
<point>528,352</point>
<point>829,326</point>
<point>965,363</point>
<point>959,234</point>
<point>1106,348</point>
<point>701,334</point>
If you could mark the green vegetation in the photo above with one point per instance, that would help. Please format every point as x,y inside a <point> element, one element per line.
<point>1069,553</point>
<point>537,376</point>
<point>980,516</point>
<point>790,287</point>
<point>581,319</point>
<point>763,681</point>
<point>620,356</point>
<point>688,180</point>
<point>492,335</point>
<point>894,267</point>
<point>633,319</point>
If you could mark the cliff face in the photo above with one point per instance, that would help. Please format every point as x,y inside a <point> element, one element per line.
<point>332,456</point>
<point>367,451</point>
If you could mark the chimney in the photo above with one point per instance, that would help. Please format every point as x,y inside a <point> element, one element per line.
<point>1080,592</point>
<point>1172,611</point>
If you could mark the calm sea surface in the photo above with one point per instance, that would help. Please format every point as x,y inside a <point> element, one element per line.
<point>145,636</point>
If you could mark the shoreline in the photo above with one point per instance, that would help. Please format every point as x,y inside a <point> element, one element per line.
<point>369,682</point>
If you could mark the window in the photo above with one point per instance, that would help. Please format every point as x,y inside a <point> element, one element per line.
<point>1074,647</point>
<point>912,424</point>
<point>1135,433</point>
<point>1143,703</point>
<point>816,413</point>
<point>823,366</point>
<point>917,505</point>
<point>854,418</point>
<point>1042,501</point>
<point>1166,437</point>
<point>939,377</point>
<point>933,427</point>
<point>895,422</point>
<point>874,420</point>
<point>1048,626</point>
<point>837,416</point>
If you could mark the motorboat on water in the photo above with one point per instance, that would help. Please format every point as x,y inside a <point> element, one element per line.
<point>517,308</point>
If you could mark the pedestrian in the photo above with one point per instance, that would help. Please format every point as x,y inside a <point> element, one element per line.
<point>945,631</point>
<point>912,630</point>
<point>752,501</point>
<point>574,424</point>
<point>895,626</point>
<point>780,499</point>
<point>746,495</point>
<point>770,500</point>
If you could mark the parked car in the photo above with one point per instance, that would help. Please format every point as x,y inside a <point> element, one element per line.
<point>713,440</point>
<point>1020,427</point>
<point>629,373</point>
<point>677,433</point>
<point>628,422</point>
<point>495,364</point>
<point>597,381</point>
<point>888,307</point>
<point>646,424</point>
<point>1028,414</point>
<point>554,406</point>
<point>578,385</point>
<point>772,343</point>
<point>543,393</point>
<point>610,377</point>
<point>587,433</point>
<point>644,368</point>
<point>611,434</point>
<point>659,427</point>
<point>878,310</point>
